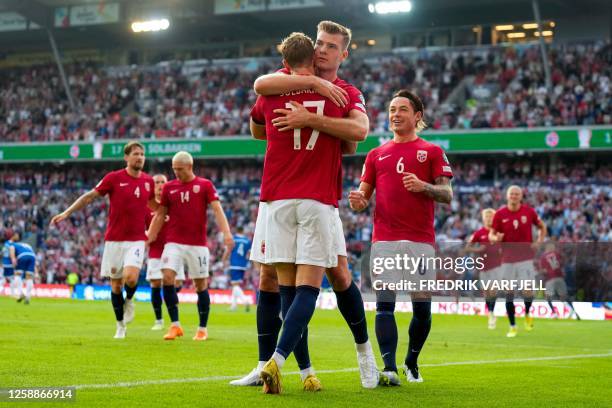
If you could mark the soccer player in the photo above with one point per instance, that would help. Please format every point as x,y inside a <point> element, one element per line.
<point>7,266</point>
<point>512,225</point>
<point>23,260</point>
<point>130,191</point>
<point>239,260</point>
<point>491,253</point>
<point>184,201</point>
<point>550,263</point>
<point>331,49</point>
<point>410,175</point>
<point>154,274</point>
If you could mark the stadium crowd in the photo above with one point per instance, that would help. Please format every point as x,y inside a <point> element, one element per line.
<point>174,100</point>
<point>573,200</point>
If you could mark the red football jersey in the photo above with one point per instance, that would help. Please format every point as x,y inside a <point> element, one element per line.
<point>516,227</point>
<point>551,263</point>
<point>303,163</point>
<point>401,214</point>
<point>157,247</point>
<point>187,204</point>
<point>492,253</point>
<point>128,204</point>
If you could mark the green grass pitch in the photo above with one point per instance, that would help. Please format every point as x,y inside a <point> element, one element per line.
<point>66,342</point>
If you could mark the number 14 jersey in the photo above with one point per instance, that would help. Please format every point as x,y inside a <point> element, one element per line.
<point>302,163</point>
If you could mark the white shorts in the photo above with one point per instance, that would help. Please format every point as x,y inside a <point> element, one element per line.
<point>154,270</point>
<point>178,256</point>
<point>118,255</point>
<point>340,240</point>
<point>556,287</point>
<point>301,231</point>
<point>492,275</point>
<point>259,237</point>
<point>523,270</point>
<point>382,251</point>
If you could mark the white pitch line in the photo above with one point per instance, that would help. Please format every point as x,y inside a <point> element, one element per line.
<point>342,370</point>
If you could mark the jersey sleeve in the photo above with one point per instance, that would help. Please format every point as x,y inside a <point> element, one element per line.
<point>211,192</point>
<point>368,174</point>
<point>105,186</point>
<point>496,225</point>
<point>164,196</point>
<point>535,217</point>
<point>356,100</point>
<point>257,113</point>
<point>151,189</point>
<point>440,166</point>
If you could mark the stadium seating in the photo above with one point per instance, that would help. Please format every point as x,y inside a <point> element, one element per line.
<point>573,201</point>
<point>504,88</point>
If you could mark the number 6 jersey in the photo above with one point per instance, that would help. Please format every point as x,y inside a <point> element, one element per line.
<point>128,204</point>
<point>400,214</point>
<point>302,163</point>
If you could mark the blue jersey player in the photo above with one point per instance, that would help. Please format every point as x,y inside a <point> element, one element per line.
<point>7,266</point>
<point>239,261</point>
<point>23,260</point>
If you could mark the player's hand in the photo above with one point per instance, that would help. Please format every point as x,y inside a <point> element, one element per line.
<point>357,200</point>
<point>412,183</point>
<point>333,92</point>
<point>228,241</point>
<point>58,218</point>
<point>295,118</point>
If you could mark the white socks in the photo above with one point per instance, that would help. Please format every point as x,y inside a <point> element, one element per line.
<point>280,360</point>
<point>18,285</point>
<point>306,372</point>
<point>29,286</point>
<point>364,347</point>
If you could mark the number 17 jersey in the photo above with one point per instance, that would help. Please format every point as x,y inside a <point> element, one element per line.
<point>300,163</point>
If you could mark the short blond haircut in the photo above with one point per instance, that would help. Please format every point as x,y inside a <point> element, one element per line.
<point>182,157</point>
<point>488,211</point>
<point>331,27</point>
<point>514,187</point>
<point>297,49</point>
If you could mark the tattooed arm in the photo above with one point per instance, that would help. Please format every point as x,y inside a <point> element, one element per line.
<point>441,191</point>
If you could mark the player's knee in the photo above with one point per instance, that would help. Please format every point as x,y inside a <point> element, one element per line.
<point>201,284</point>
<point>268,280</point>
<point>168,277</point>
<point>156,283</point>
<point>339,278</point>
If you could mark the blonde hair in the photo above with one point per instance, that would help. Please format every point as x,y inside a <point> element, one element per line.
<point>183,157</point>
<point>333,28</point>
<point>488,211</point>
<point>297,49</point>
<point>514,186</point>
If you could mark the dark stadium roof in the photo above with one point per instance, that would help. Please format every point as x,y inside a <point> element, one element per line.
<point>198,23</point>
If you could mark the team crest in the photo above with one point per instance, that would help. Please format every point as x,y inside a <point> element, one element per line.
<point>147,187</point>
<point>196,189</point>
<point>524,219</point>
<point>422,155</point>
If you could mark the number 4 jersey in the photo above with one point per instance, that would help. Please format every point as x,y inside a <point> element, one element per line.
<point>302,163</point>
<point>187,204</point>
<point>128,204</point>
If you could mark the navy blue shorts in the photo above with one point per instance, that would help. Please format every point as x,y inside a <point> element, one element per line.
<point>236,275</point>
<point>26,264</point>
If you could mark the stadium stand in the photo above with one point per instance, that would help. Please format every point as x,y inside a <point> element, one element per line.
<point>483,87</point>
<point>574,201</point>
